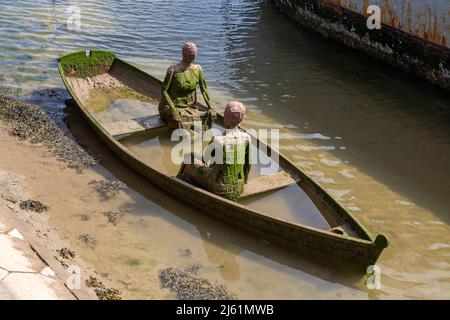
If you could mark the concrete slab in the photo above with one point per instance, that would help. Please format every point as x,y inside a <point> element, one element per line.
<point>16,234</point>
<point>17,256</point>
<point>11,186</point>
<point>39,280</point>
<point>3,274</point>
<point>5,294</point>
<point>4,227</point>
<point>31,286</point>
<point>48,272</point>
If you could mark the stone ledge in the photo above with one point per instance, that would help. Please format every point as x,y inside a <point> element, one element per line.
<point>32,286</point>
<point>17,256</point>
<point>45,261</point>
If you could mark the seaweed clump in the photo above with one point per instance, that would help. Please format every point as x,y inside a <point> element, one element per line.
<point>101,291</point>
<point>66,253</point>
<point>88,240</point>
<point>115,217</point>
<point>28,122</point>
<point>81,65</point>
<point>188,286</point>
<point>33,205</point>
<point>108,188</point>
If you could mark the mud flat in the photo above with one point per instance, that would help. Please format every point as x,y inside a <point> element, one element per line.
<point>29,122</point>
<point>37,150</point>
<point>77,210</point>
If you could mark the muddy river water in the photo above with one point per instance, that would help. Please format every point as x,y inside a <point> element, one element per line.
<point>377,140</point>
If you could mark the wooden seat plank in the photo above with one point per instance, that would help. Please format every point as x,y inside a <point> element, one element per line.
<point>125,127</point>
<point>267,183</point>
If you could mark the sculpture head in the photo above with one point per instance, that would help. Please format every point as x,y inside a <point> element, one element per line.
<point>189,51</point>
<point>234,114</point>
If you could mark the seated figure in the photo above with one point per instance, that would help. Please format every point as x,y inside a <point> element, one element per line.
<point>178,106</point>
<point>228,174</point>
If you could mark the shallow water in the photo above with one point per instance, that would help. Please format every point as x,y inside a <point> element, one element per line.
<point>376,139</point>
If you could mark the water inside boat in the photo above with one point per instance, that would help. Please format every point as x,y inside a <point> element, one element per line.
<point>155,147</point>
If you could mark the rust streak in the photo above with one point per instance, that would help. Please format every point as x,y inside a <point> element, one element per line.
<point>435,29</point>
<point>422,20</point>
<point>409,16</point>
<point>365,6</point>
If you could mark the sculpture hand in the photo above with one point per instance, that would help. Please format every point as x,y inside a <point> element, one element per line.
<point>213,113</point>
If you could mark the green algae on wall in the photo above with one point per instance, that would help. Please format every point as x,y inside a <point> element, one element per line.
<point>394,46</point>
<point>81,65</point>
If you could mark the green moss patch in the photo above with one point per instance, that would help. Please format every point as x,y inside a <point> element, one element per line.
<point>81,66</point>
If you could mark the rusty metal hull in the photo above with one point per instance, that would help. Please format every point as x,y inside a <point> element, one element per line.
<point>412,38</point>
<point>426,19</point>
<point>362,249</point>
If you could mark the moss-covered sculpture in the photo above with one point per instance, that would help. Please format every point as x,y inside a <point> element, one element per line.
<point>228,177</point>
<point>178,106</point>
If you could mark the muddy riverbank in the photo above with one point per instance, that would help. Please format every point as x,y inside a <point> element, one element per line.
<point>46,175</point>
<point>28,167</point>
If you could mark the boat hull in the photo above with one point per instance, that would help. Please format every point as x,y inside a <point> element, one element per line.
<point>296,237</point>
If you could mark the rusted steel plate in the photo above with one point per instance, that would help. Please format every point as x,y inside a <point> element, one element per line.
<point>427,19</point>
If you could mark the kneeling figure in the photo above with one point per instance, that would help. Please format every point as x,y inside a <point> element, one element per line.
<point>227,176</point>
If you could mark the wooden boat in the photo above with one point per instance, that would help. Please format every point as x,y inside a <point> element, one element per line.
<point>346,239</point>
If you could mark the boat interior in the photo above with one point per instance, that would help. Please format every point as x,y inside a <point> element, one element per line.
<point>126,105</point>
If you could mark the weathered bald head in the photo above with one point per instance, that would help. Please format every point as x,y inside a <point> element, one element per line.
<point>189,51</point>
<point>234,114</point>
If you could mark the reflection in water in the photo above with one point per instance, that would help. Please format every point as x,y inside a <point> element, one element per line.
<point>377,140</point>
<point>222,253</point>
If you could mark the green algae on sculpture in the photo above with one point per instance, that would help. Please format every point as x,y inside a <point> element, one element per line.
<point>228,172</point>
<point>81,65</point>
<point>178,106</point>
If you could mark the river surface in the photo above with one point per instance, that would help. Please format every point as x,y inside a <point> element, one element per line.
<point>376,139</point>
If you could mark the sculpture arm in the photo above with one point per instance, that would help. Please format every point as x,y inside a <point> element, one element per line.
<point>203,87</point>
<point>248,160</point>
<point>165,89</point>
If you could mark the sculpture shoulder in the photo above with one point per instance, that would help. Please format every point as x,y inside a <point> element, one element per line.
<point>176,68</point>
<point>172,68</point>
<point>197,67</point>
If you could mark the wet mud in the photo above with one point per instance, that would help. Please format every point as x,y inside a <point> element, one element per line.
<point>107,189</point>
<point>102,292</point>
<point>28,122</point>
<point>33,205</point>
